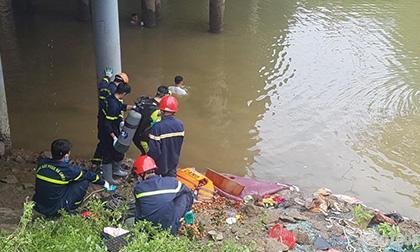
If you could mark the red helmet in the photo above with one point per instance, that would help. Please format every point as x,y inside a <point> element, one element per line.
<point>143,164</point>
<point>169,104</point>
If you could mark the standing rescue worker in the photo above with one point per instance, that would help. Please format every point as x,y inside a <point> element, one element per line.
<point>160,200</point>
<point>105,89</point>
<point>166,138</point>
<point>110,123</point>
<point>58,184</point>
<point>150,114</point>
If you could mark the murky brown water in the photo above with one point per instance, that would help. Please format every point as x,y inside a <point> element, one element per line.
<point>315,93</point>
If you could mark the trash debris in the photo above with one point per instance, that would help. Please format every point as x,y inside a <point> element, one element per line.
<point>320,202</point>
<point>395,247</point>
<point>86,214</point>
<point>283,235</point>
<point>347,199</point>
<point>248,198</point>
<point>381,218</point>
<point>321,244</point>
<point>231,218</point>
<point>395,216</point>
<point>114,232</point>
<point>217,236</point>
<point>270,201</point>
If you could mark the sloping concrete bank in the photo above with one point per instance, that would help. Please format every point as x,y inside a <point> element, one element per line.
<point>288,221</point>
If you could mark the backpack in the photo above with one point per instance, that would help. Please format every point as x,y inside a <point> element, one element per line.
<point>147,107</point>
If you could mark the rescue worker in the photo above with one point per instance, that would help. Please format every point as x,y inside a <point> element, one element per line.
<point>58,184</point>
<point>149,109</point>
<point>110,123</point>
<point>166,138</point>
<point>160,200</point>
<point>106,88</point>
<point>178,88</point>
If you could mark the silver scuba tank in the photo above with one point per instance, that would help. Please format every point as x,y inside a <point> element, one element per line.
<point>131,123</point>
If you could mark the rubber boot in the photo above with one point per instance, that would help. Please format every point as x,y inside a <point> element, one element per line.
<point>117,171</point>
<point>107,173</point>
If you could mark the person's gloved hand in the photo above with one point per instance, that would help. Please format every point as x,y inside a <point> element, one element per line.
<point>189,217</point>
<point>108,72</point>
<point>115,141</point>
<point>110,187</point>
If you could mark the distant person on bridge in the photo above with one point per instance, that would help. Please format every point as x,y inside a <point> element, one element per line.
<point>110,123</point>
<point>166,138</point>
<point>160,200</point>
<point>58,184</point>
<point>178,88</point>
<point>148,107</point>
<point>105,89</point>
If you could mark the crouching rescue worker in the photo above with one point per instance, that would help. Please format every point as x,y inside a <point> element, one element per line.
<point>58,184</point>
<point>149,109</point>
<point>166,138</point>
<point>160,200</point>
<point>109,129</point>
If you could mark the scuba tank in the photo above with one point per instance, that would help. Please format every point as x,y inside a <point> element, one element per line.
<point>130,126</point>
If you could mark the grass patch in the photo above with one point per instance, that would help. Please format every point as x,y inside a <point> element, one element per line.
<point>76,233</point>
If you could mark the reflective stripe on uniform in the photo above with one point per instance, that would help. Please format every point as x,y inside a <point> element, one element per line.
<point>105,90</point>
<point>111,118</point>
<point>145,146</point>
<point>168,135</point>
<point>80,175</point>
<point>54,181</point>
<point>157,192</point>
<point>96,179</point>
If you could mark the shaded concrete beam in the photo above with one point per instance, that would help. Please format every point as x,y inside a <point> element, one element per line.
<point>4,116</point>
<point>150,12</point>
<point>216,15</point>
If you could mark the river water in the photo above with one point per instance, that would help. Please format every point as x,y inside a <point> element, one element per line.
<point>314,93</point>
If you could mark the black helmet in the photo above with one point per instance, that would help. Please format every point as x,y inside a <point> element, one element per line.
<point>162,91</point>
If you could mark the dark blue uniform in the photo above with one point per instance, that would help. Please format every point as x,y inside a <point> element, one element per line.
<point>162,200</point>
<point>61,186</point>
<point>165,145</point>
<point>105,88</point>
<point>109,122</point>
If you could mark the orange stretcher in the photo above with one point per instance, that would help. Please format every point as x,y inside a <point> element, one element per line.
<point>196,182</point>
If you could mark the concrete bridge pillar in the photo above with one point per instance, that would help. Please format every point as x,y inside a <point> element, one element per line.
<point>150,12</point>
<point>216,15</point>
<point>4,117</point>
<point>106,28</point>
<point>83,10</point>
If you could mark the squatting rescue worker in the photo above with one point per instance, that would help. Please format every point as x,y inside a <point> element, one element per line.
<point>166,138</point>
<point>60,185</point>
<point>106,88</point>
<point>148,107</point>
<point>109,130</point>
<point>160,200</point>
